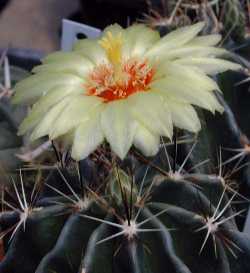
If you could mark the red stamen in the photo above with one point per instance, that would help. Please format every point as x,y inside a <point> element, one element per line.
<point>134,77</point>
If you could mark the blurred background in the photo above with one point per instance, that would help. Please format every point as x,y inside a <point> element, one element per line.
<point>35,24</point>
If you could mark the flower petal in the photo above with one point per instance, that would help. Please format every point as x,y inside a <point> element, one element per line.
<point>35,86</point>
<point>146,141</point>
<point>44,127</point>
<point>188,93</point>
<point>188,76</point>
<point>118,127</point>
<point>114,29</point>
<point>42,106</point>
<point>90,49</point>
<point>149,110</point>
<point>210,66</point>
<point>194,51</point>
<point>175,39</point>
<point>138,39</point>
<point>188,84</point>
<point>75,64</point>
<point>184,116</point>
<point>77,111</point>
<point>88,136</point>
<point>205,40</point>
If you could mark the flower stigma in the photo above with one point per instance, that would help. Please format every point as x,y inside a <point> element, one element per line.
<point>113,47</point>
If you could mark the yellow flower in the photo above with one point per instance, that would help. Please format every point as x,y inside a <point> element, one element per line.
<point>129,87</point>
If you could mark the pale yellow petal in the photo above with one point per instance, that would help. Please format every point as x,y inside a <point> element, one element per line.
<point>194,51</point>
<point>43,105</point>
<point>138,39</point>
<point>205,40</point>
<point>210,66</point>
<point>38,85</point>
<point>114,29</point>
<point>48,122</point>
<point>91,49</point>
<point>190,85</point>
<point>188,93</point>
<point>149,110</point>
<point>88,136</point>
<point>77,111</point>
<point>184,116</point>
<point>175,39</point>
<point>59,56</point>
<point>118,127</point>
<point>147,142</point>
<point>175,74</point>
<point>76,64</point>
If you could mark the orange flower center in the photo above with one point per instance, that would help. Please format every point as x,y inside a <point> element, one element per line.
<point>113,83</point>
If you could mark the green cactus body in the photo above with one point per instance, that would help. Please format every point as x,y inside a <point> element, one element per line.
<point>154,224</point>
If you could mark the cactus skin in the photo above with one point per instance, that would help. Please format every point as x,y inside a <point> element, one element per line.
<point>59,238</point>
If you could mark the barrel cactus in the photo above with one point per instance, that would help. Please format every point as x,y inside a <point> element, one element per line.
<point>130,200</point>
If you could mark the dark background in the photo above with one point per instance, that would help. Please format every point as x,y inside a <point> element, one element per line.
<point>35,24</point>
